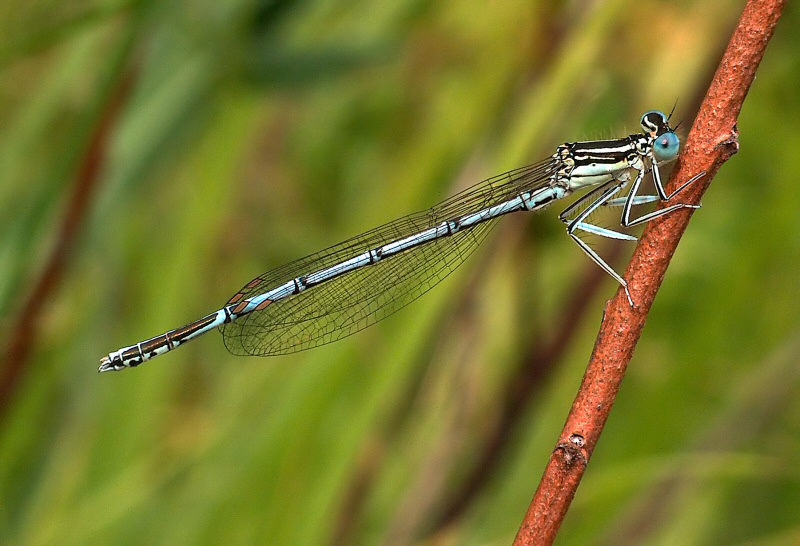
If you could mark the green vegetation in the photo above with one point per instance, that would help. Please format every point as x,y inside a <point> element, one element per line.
<point>245,134</point>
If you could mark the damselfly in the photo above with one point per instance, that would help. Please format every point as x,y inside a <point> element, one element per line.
<point>338,291</point>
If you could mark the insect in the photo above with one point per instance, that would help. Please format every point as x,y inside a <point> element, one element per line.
<point>345,288</point>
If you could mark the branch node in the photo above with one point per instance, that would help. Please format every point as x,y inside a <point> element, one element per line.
<point>571,454</point>
<point>730,145</point>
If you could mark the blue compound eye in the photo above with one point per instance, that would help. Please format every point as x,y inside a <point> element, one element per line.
<point>666,146</point>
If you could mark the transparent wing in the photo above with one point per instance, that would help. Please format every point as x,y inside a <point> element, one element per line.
<point>344,305</point>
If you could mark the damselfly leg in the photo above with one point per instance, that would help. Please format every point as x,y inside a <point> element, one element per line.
<point>604,196</point>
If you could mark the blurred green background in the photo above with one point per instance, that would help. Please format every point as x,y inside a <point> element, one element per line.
<point>156,156</point>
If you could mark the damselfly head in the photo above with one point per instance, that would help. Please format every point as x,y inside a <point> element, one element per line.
<point>655,123</point>
<point>666,143</point>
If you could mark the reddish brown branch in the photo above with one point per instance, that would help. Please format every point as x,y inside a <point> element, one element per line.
<point>25,330</point>
<point>711,142</point>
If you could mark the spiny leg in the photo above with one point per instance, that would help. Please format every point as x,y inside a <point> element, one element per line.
<point>634,199</point>
<point>606,194</point>
<point>662,193</point>
<point>645,199</point>
<point>627,202</point>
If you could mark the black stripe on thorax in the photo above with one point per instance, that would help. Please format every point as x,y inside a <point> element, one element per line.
<point>603,151</point>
